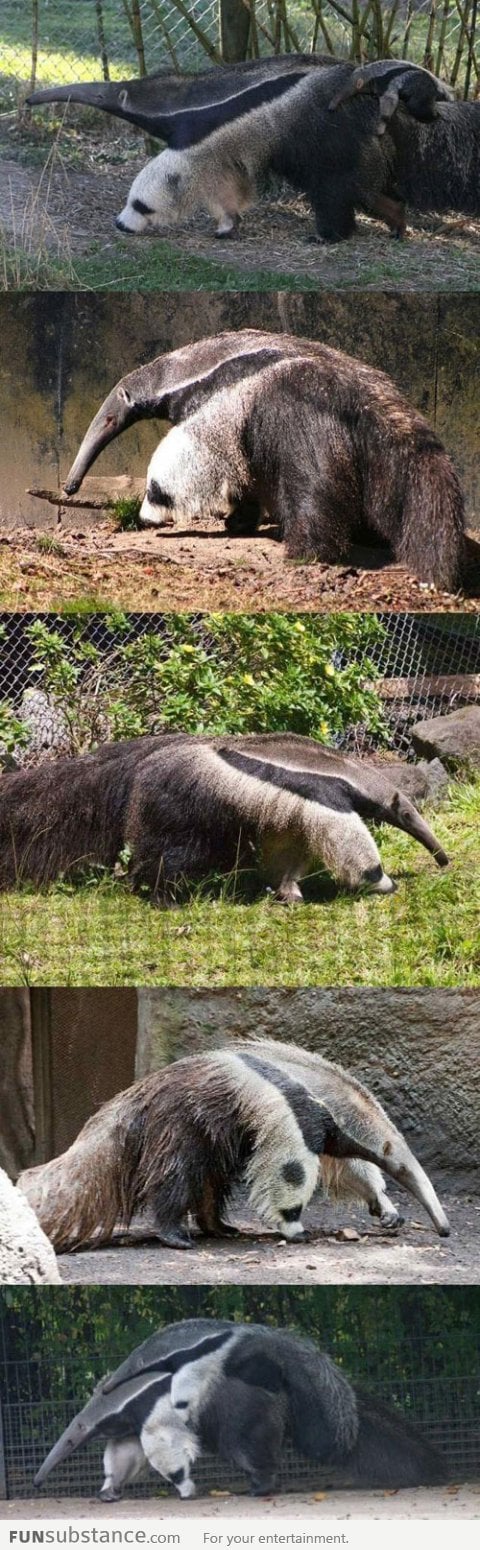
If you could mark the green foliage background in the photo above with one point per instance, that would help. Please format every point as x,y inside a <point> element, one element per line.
<point>380,1334</point>
<point>221,673</point>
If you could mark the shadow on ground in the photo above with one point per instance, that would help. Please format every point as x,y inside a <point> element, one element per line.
<point>412,1255</point>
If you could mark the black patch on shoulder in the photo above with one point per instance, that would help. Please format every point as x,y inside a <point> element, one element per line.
<point>373,874</point>
<point>315,1122</point>
<point>136,1409</point>
<point>293,1173</point>
<point>141,208</point>
<point>159,497</point>
<point>330,790</point>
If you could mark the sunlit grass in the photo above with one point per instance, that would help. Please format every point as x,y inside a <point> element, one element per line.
<point>426,934</point>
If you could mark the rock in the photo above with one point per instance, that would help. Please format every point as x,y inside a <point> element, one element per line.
<point>437,780</point>
<point>26,1255</point>
<point>455,738</point>
<point>423,782</point>
<point>47,724</point>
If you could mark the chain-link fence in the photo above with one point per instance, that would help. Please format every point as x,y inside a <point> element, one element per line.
<point>442,1400</point>
<point>44,42</point>
<point>427,665</point>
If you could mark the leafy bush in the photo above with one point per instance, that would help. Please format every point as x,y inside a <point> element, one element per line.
<point>221,673</point>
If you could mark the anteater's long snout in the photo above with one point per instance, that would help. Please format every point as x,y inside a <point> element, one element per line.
<point>405,816</point>
<point>412,1176</point>
<point>93,94</point>
<point>71,1439</point>
<point>114,415</point>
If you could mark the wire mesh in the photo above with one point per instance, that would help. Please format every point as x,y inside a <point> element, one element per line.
<point>48,42</point>
<point>445,1406</point>
<point>427,665</point>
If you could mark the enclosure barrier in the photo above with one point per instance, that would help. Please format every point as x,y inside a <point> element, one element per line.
<point>427,665</point>
<point>44,42</point>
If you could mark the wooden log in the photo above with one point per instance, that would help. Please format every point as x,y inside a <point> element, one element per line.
<point>466,685</point>
<point>98,494</point>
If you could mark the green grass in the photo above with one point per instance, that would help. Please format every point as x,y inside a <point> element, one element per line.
<point>164,267</point>
<point>426,934</point>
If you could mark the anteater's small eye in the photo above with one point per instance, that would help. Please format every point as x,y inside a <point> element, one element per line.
<point>292,1215</point>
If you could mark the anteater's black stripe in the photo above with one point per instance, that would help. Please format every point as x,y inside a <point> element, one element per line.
<point>315,1122</point>
<point>331,791</point>
<point>183,1355</point>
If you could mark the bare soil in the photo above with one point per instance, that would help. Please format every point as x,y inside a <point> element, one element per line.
<point>74,209</point>
<point>208,569</point>
<point>455,1501</point>
<point>412,1255</point>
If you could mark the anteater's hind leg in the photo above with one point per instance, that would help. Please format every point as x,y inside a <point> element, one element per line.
<point>284,860</point>
<point>319,503</point>
<point>333,200</point>
<point>353,1179</point>
<point>392,211</point>
<point>250,1425</point>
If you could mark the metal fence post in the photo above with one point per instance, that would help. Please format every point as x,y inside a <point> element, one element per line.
<point>3,1466</point>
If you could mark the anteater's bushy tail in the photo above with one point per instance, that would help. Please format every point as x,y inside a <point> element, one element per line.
<point>389,1451</point>
<point>432,542</point>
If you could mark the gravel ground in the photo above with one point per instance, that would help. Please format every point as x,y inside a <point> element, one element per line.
<point>414,1255</point>
<point>462,1501</point>
<point>208,569</point>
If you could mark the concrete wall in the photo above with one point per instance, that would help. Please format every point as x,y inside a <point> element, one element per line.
<point>418,1050</point>
<point>84,1045</point>
<point>67,350</point>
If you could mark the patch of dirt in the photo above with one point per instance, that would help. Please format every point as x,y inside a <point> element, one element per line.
<point>453,1501</point>
<point>74,208</point>
<point>412,1255</point>
<point>208,569</point>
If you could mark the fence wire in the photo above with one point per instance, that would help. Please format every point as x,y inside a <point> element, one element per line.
<point>427,665</point>
<point>444,1405</point>
<point>45,42</point>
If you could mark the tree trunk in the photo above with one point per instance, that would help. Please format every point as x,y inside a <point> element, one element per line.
<point>234,30</point>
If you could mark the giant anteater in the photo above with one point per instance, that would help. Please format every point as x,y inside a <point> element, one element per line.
<point>175,1144</point>
<point>241,1392</point>
<point>188,806</point>
<point>285,425</point>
